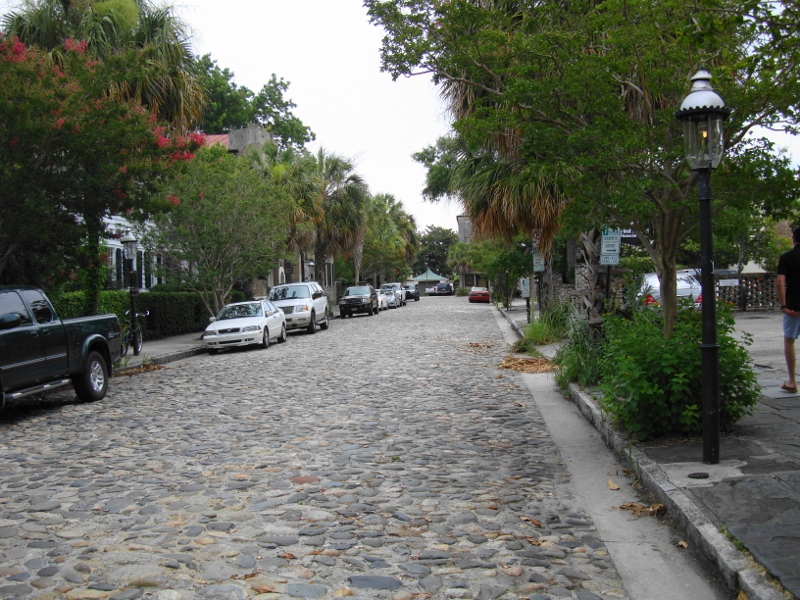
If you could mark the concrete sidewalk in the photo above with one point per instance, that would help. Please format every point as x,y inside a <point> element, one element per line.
<point>753,494</point>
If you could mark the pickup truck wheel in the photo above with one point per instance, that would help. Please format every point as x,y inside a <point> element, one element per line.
<point>92,384</point>
<point>312,326</point>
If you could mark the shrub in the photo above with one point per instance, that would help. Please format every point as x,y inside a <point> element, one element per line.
<point>580,357</point>
<point>551,326</point>
<point>652,386</point>
<point>462,291</point>
<point>170,313</point>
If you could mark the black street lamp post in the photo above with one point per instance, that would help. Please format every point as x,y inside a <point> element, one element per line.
<point>702,113</point>
<point>129,248</point>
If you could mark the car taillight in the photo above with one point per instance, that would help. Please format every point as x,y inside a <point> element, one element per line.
<point>649,300</point>
<point>699,299</point>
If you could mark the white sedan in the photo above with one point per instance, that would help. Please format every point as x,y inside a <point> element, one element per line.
<point>383,302</point>
<point>244,323</point>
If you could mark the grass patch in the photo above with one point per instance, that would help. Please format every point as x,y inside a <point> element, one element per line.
<point>552,326</point>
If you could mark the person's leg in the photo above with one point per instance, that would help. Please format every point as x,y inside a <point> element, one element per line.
<point>789,353</point>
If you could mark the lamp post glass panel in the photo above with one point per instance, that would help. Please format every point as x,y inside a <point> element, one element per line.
<point>702,113</point>
<point>129,243</point>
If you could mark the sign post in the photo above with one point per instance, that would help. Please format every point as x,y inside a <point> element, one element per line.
<point>609,253</point>
<point>538,267</point>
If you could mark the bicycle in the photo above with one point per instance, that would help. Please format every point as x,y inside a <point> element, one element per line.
<point>132,337</point>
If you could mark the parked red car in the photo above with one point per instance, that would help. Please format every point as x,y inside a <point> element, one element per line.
<point>479,294</point>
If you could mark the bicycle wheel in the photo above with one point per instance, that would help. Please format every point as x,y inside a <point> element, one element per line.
<point>137,341</point>
<point>123,349</point>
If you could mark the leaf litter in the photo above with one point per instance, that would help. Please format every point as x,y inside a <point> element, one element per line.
<point>526,364</point>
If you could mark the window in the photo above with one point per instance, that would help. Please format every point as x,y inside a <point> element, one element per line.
<point>42,311</point>
<point>11,303</point>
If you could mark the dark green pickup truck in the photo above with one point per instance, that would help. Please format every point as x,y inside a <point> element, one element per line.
<point>39,352</point>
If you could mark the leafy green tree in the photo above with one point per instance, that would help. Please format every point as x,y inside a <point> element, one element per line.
<point>231,106</point>
<point>71,155</point>
<point>459,259</point>
<point>390,240</point>
<point>341,198</point>
<point>228,223</point>
<point>434,244</point>
<point>168,87</point>
<point>588,91</point>
<point>295,171</point>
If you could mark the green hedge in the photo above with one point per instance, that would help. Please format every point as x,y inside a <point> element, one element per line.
<point>170,313</point>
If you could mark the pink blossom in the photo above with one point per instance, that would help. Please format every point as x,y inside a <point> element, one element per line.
<point>197,138</point>
<point>123,169</point>
<point>59,123</point>
<point>174,199</point>
<point>161,141</point>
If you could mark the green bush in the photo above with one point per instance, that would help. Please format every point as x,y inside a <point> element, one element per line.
<point>170,313</point>
<point>551,326</point>
<point>580,357</point>
<point>462,291</point>
<point>652,386</point>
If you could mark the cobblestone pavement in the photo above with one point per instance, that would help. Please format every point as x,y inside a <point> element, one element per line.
<point>387,457</point>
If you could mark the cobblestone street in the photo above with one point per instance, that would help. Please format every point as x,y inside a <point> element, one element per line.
<point>387,457</point>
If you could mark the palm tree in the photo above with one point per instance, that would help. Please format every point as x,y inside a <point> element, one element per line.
<point>342,198</point>
<point>389,225</point>
<point>167,84</point>
<point>296,172</point>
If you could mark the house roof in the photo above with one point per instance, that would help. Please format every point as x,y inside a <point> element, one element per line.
<point>221,138</point>
<point>429,276</point>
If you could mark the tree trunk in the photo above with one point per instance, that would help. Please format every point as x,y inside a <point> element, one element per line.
<point>319,254</point>
<point>592,294</point>
<point>358,255</point>
<point>669,237</point>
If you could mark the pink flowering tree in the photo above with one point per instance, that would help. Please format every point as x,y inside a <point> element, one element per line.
<point>71,154</point>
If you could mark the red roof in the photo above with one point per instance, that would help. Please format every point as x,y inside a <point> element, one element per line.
<point>221,138</point>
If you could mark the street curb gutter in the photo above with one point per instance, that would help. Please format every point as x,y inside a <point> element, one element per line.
<point>732,564</point>
<point>703,534</point>
<point>163,360</point>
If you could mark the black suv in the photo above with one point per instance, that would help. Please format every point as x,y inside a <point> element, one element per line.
<point>444,289</point>
<point>358,298</point>
<point>412,292</point>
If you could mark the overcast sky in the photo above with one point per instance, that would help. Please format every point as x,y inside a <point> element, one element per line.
<point>329,53</point>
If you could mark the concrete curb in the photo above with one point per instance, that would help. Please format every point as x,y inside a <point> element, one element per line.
<point>163,360</point>
<point>732,564</point>
<point>702,533</point>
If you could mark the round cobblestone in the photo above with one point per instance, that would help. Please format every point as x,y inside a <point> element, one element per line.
<point>383,458</point>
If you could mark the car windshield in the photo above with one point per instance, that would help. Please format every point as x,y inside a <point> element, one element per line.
<point>287,292</point>
<point>360,290</point>
<point>239,311</point>
<point>387,289</point>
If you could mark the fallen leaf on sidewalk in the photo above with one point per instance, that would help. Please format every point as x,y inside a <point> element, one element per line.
<point>521,404</point>
<point>612,486</point>
<point>683,544</point>
<point>638,510</point>
<point>533,522</point>
<point>479,345</point>
<point>145,368</point>
<point>536,364</point>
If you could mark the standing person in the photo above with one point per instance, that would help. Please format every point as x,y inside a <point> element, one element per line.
<point>788,288</point>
